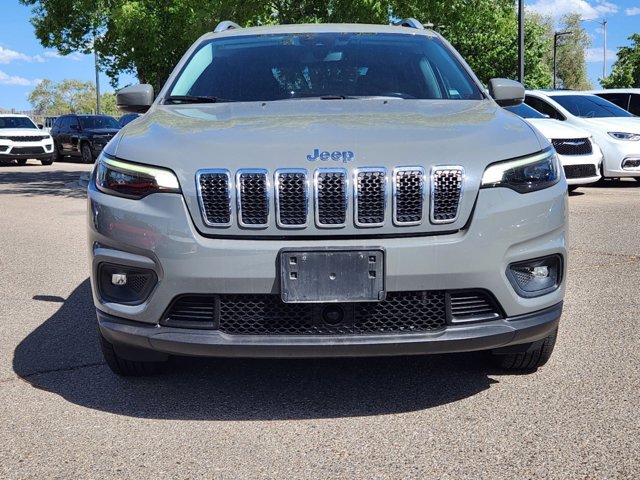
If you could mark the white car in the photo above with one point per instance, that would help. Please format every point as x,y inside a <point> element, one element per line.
<point>21,139</point>
<point>581,158</point>
<point>616,131</point>
<point>626,98</point>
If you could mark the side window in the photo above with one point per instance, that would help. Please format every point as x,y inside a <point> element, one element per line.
<point>620,99</point>
<point>543,107</point>
<point>634,104</point>
<point>73,123</point>
<point>58,123</point>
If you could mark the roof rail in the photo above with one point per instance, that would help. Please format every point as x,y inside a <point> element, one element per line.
<point>409,22</point>
<point>225,25</point>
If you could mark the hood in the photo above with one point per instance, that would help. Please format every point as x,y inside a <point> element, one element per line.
<point>101,131</point>
<point>615,124</point>
<point>311,134</point>
<point>555,129</point>
<point>22,132</point>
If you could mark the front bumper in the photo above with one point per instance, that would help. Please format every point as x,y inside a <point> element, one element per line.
<point>518,330</point>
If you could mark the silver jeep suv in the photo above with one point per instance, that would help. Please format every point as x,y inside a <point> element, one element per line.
<point>326,190</point>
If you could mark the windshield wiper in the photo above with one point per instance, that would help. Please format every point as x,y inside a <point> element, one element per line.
<point>195,99</point>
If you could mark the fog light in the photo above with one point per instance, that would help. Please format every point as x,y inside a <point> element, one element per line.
<point>536,277</point>
<point>124,284</point>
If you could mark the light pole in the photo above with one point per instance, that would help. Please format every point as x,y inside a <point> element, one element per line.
<point>604,50</point>
<point>521,41</point>
<point>95,58</point>
<point>555,47</point>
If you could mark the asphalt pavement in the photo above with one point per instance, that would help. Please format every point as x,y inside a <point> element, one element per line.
<point>65,415</point>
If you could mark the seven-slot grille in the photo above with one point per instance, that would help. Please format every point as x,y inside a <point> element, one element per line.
<point>330,190</point>
<point>572,146</point>
<point>30,138</point>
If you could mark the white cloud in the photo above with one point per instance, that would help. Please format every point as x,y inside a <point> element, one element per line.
<point>595,55</point>
<point>632,11</point>
<point>6,79</point>
<point>75,56</point>
<point>588,10</point>
<point>8,56</point>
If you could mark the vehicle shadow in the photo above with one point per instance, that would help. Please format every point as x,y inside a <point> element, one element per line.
<point>62,356</point>
<point>615,183</point>
<point>38,183</point>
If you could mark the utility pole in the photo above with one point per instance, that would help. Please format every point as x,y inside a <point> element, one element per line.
<point>555,47</point>
<point>521,41</point>
<point>95,58</point>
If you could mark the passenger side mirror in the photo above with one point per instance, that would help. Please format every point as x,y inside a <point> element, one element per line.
<point>135,99</point>
<point>40,126</point>
<point>506,93</point>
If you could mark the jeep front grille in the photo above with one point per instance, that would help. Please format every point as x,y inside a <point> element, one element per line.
<point>572,146</point>
<point>330,191</point>
<point>331,197</point>
<point>446,190</point>
<point>253,198</point>
<point>266,314</point>
<point>369,196</point>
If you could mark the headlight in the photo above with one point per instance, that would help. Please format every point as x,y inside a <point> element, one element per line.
<point>524,175</point>
<point>633,137</point>
<point>131,180</point>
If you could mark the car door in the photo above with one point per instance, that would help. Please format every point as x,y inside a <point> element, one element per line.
<point>75,130</point>
<point>62,135</point>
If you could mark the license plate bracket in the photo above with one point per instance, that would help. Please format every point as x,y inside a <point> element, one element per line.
<point>332,275</point>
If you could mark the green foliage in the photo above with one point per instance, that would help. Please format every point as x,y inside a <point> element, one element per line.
<point>69,96</point>
<point>571,66</point>
<point>626,70</point>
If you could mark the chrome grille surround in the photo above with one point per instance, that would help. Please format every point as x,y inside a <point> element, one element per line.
<point>406,192</point>
<point>252,197</point>
<point>296,181</point>
<point>447,186</point>
<point>218,207</point>
<point>369,196</point>
<point>332,205</point>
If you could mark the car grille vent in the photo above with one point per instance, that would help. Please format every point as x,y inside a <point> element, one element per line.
<point>370,197</point>
<point>250,192</point>
<point>253,198</point>
<point>446,190</point>
<point>215,197</point>
<point>409,196</point>
<point>31,138</point>
<point>580,171</point>
<point>572,146</point>
<point>266,314</point>
<point>331,197</point>
<point>27,150</point>
<point>472,306</point>
<point>292,198</point>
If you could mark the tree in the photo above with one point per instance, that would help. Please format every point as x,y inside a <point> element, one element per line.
<point>571,66</point>
<point>69,96</point>
<point>626,69</point>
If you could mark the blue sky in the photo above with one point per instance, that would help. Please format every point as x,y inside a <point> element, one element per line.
<point>23,61</point>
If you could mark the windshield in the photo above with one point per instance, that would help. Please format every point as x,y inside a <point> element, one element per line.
<point>97,122</point>
<point>16,122</point>
<point>590,106</point>
<point>525,111</point>
<point>328,65</point>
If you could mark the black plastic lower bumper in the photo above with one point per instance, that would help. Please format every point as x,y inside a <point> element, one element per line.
<point>25,156</point>
<point>523,329</point>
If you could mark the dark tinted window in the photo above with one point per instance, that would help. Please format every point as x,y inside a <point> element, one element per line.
<point>280,67</point>
<point>589,106</point>
<point>525,111</point>
<point>543,107</point>
<point>634,104</point>
<point>98,121</point>
<point>620,99</point>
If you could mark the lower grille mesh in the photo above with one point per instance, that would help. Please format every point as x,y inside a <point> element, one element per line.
<point>580,171</point>
<point>265,314</point>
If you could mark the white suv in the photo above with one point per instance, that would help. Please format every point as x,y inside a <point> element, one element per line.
<point>21,139</point>
<point>615,130</point>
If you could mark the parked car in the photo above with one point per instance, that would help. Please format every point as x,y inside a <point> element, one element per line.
<point>626,98</point>
<point>127,118</point>
<point>580,157</point>
<point>616,131</point>
<point>21,139</point>
<point>326,191</point>
<point>82,136</point>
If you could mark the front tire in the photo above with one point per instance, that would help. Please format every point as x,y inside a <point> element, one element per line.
<point>87,155</point>
<point>21,161</point>
<point>536,356</point>
<point>128,368</point>
<point>47,161</point>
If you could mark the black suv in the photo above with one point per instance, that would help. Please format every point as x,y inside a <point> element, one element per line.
<point>82,135</point>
